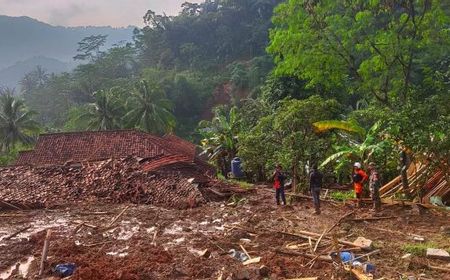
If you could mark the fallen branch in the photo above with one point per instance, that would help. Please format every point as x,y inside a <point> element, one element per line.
<point>245,251</point>
<point>96,244</point>
<point>118,217</point>
<point>311,256</point>
<point>17,233</point>
<point>373,218</point>
<point>12,215</point>
<point>318,241</point>
<point>11,205</point>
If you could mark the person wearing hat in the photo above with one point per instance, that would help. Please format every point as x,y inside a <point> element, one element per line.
<point>278,183</point>
<point>359,177</point>
<point>374,186</point>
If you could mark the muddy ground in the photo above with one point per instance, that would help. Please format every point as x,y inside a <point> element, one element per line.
<point>150,242</point>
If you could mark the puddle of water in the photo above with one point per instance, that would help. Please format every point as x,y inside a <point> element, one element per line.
<point>23,269</point>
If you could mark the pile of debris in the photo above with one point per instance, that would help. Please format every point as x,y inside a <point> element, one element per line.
<point>424,182</point>
<point>111,181</point>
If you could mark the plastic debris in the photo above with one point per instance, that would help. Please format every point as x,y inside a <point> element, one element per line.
<point>238,255</point>
<point>65,269</point>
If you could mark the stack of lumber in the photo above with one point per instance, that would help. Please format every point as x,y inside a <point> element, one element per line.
<point>425,181</point>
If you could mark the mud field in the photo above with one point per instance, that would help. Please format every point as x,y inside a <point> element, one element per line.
<point>149,242</point>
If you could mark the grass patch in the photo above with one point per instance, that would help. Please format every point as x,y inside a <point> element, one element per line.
<point>242,184</point>
<point>342,195</point>
<point>418,249</point>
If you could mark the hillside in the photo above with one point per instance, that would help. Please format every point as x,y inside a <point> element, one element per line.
<point>23,38</point>
<point>10,76</point>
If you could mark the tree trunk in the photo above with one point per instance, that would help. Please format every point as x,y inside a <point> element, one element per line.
<point>294,175</point>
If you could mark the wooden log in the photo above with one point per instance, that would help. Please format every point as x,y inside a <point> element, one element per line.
<point>438,268</point>
<point>318,241</point>
<point>340,241</point>
<point>373,218</point>
<point>17,233</point>
<point>45,252</point>
<point>306,255</point>
<point>118,216</point>
<point>304,278</point>
<point>10,205</point>
<point>332,227</point>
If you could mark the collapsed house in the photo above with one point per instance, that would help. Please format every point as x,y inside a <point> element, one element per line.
<point>110,166</point>
<point>427,183</point>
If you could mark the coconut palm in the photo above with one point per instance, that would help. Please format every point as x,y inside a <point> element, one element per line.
<point>16,123</point>
<point>104,113</point>
<point>149,109</point>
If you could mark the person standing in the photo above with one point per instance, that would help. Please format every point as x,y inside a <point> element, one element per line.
<point>374,186</point>
<point>315,185</point>
<point>359,177</point>
<point>278,183</point>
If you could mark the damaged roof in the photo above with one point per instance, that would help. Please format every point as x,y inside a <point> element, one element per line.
<point>61,148</point>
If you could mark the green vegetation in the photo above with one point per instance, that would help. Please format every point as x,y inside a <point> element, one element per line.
<point>342,195</point>
<point>290,82</point>
<point>418,249</point>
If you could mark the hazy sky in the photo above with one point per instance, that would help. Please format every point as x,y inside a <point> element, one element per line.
<point>89,12</point>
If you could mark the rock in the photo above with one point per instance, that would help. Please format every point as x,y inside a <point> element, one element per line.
<point>437,254</point>
<point>263,271</point>
<point>418,238</point>
<point>243,274</point>
<point>205,253</point>
<point>407,256</point>
<point>363,242</point>
<point>245,240</point>
<point>445,230</point>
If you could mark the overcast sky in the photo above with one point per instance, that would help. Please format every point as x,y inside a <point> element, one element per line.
<point>89,12</point>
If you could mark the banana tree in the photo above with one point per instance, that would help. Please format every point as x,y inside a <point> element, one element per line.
<point>360,145</point>
<point>219,138</point>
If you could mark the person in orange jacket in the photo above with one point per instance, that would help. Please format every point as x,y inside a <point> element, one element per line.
<point>359,177</point>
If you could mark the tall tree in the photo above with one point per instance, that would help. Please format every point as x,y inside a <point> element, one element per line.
<point>89,47</point>
<point>149,109</point>
<point>105,113</point>
<point>382,49</point>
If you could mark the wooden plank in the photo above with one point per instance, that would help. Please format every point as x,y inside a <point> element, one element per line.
<point>45,252</point>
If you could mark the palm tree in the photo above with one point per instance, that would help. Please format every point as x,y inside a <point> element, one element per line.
<point>149,109</point>
<point>16,123</point>
<point>104,113</point>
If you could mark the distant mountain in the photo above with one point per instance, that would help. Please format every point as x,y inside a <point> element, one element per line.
<point>10,76</point>
<point>22,38</point>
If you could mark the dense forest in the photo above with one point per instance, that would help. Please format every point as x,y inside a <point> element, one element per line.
<point>296,82</point>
